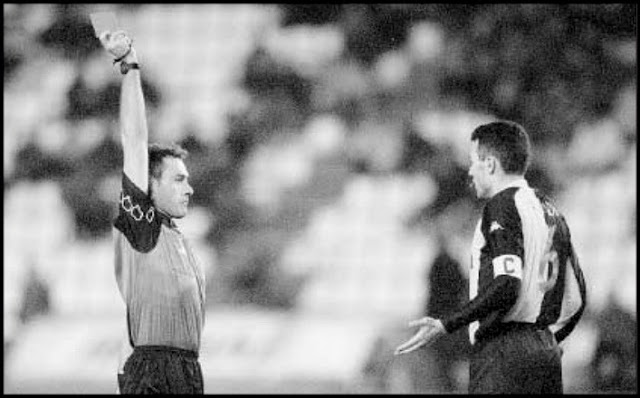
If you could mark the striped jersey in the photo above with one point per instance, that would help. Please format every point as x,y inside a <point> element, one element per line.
<point>158,276</point>
<point>523,268</point>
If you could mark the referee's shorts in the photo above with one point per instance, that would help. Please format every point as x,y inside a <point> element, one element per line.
<point>161,370</point>
<point>521,359</point>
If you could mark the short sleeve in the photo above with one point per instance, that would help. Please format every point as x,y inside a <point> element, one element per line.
<point>137,219</point>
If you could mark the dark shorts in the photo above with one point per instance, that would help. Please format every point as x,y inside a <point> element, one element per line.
<point>519,360</point>
<point>161,370</point>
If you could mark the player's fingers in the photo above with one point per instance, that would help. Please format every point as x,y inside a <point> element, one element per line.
<point>413,340</point>
<point>409,346</point>
<point>421,322</point>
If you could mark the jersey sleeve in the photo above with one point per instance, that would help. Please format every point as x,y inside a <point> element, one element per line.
<point>499,296</point>
<point>137,219</point>
<point>503,228</point>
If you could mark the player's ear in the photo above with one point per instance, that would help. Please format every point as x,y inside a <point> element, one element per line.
<point>492,164</point>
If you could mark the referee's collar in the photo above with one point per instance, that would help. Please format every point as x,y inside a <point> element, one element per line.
<point>166,219</point>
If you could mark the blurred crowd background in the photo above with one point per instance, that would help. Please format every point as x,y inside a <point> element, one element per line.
<point>328,153</point>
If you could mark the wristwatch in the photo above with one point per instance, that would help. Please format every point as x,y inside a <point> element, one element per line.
<point>126,67</point>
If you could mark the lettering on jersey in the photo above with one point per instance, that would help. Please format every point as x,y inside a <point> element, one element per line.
<point>507,264</point>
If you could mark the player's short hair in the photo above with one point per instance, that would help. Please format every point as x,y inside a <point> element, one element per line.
<point>506,140</point>
<point>157,152</point>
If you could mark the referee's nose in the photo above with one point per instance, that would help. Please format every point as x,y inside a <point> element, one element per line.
<point>189,189</point>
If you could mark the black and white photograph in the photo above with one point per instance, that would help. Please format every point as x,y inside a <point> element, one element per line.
<point>320,198</point>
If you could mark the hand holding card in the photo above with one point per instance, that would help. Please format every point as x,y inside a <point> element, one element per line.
<point>103,22</point>
<point>112,38</point>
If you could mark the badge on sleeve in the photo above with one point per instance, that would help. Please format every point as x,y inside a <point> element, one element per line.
<point>507,264</point>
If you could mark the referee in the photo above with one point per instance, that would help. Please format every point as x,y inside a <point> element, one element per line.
<point>526,286</point>
<point>157,274</point>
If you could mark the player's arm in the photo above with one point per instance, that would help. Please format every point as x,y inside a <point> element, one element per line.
<point>501,295</point>
<point>133,121</point>
<point>505,240</point>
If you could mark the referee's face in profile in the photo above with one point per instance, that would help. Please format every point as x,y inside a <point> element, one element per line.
<point>478,172</point>
<point>171,192</point>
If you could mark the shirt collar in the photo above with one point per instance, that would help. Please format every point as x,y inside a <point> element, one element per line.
<point>166,219</point>
<point>519,183</point>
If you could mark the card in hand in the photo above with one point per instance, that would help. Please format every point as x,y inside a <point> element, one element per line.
<point>103,21</point>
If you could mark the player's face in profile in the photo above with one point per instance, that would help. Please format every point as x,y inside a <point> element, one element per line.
<point>171,192</point>
<point>478,172</point>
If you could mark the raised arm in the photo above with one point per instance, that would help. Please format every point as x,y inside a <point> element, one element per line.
<point>133,121</point>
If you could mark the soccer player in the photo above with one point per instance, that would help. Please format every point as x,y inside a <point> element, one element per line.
<point>158,276</point>
<point>526,286</point>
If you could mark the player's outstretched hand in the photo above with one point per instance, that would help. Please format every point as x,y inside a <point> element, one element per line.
<point>118,44</point>
<point>430,330</point>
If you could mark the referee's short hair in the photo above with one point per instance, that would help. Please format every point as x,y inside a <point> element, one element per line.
<point>157,152</point>
<point>506,140</point>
